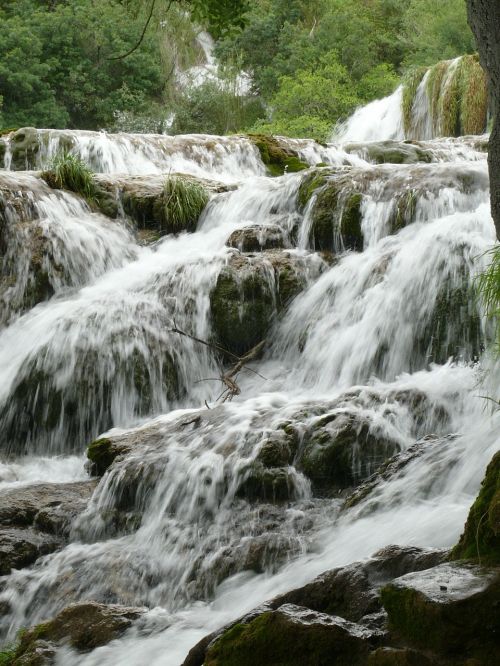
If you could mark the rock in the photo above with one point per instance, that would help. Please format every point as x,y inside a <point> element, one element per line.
<point>342,449</point>
<point>292,635</point>
<point>392,152</point>
<point>36,520</point>
<point>452,608</point>
<point>102,452</point>
<point>353,591</point>
<point>279,159</point>
<point>388,656</point>
<point>257,238</point>
<point>24,146</point>
<point>84,627</point>
<point>276,484</point>
<point>480,540</point>
<point>250,292</point>
<point>142,198</point>
<point>19,548</point>
<point>335,215</point>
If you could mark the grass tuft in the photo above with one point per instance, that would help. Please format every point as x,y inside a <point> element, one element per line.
<point>69,172</point>
<point>488,286</point>
<point>182,203</point>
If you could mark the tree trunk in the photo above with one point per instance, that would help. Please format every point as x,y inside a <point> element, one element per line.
<point>484,19</point>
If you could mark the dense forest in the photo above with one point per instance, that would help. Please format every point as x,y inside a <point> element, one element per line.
<point>311,62</point>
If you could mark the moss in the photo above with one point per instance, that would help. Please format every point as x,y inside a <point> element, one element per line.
<point>434,86</point>
<point>272,638</point>
<point>410,87</point>
<point>308,186</point>
<point>102,454</point>
<point>242,309</point>
<point>480,540</point>
<point>473,96</point>
<point>350,223</point>
<point>404,211</point>
<point>336,217</point>
<point>260,483</point>
<point>277,159</point>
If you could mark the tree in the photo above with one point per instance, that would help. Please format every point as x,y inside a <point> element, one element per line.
<point>484,18</point>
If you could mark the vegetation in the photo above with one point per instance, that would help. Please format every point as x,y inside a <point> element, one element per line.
<point>489,290</point>
<point>69,172</point>
<point>62,63</point>
<point>182,204</point>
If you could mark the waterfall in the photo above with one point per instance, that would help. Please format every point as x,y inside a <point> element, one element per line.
<point>448,99</point>
<point>360,274</point>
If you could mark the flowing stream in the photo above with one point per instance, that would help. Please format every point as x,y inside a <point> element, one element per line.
<point>355,342</point>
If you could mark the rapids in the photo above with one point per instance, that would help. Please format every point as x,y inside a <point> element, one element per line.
<point>354,341</point>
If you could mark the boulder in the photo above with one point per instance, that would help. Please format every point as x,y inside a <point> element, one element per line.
<point>83,627</point>
<point>250,292</point>
<point>292,635</point>
<point>392,152</point>
<point>36,520</point>
<point>258,237</point>
<point>278,158</point>
<point>452,608</point>
<point>25,146</point>
<point>342,449</point>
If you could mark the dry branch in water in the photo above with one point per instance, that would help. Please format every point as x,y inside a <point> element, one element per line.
<point>228,378</point>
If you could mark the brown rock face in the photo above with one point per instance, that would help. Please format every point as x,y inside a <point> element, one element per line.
<point>484,19</point>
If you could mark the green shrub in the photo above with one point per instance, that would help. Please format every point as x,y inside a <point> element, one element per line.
<point>182,203</point>
<point>488,286</point>
<point>69,172</point>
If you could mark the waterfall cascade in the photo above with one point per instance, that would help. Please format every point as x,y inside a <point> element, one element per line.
<point>358,272</point>
<point>448,99</point>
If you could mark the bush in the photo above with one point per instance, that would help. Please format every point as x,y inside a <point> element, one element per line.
<point>182,204</point>
<point>488,285</point>
<point>69,172</point>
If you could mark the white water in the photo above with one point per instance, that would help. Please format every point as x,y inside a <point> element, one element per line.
<point>346,345</point>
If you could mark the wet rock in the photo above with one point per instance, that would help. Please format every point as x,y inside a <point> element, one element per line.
<point>392,152</point>
<point>84,627</point>
<point>250,292</point>
<point>451,608</point>
<point>24,146</point>
<point>392,468</point>
<point>279,159</point>
<point>388,656</point>
<point>342,449</point>
<point>292,635</point>
<point>19,548</point>
<point>480,540</point>
<point>36,520</point>
<point>257,238</point>
<point>353,591</point>
<point>276,484</point>
<point>142,198</point>
<point>336,218</point>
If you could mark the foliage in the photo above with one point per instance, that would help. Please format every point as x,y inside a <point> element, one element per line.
<point>69,172</point>
<point>214,108</point>
<point>306,104</point>
<point>488,285</point>
<point>183,202</point>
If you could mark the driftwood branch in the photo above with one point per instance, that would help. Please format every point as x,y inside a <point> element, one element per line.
<point>227,378</point>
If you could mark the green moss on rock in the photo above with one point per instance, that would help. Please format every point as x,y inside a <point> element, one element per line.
<point>277,638</point>
<point>278,160</point>
<point>336,219</point>
<point>480,540</point>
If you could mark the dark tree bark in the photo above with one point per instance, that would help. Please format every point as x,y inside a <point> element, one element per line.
<point>484,19</point>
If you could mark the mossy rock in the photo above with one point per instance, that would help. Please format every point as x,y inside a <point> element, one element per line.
<point>391,152</point>
<point>83,627</point>
<point>389,656</point>
<point>480,540</point>
<point>336,219</point>
<point>278,159</point>
<point>309,184</point>
<point>249,294</point>
<point>25,146</point>
<point>257,237</point>
<point>404,210</point>
<point>266,484</point>
<point>454,329</point>
<point>341,450</point>
<point>451,608</point>
<point>291,636</point>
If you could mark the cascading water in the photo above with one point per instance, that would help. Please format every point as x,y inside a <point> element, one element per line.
<point>448,99</point>
<point>194,522</point>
